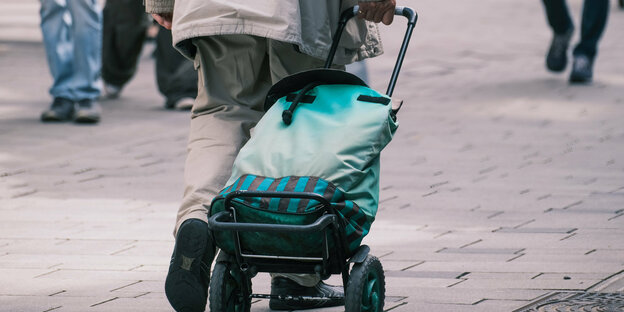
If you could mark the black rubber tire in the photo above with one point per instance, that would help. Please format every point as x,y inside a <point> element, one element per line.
<point>366,289</point>
<point>227,294</point>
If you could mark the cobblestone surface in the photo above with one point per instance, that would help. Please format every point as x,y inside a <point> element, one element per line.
<point>503,185</point>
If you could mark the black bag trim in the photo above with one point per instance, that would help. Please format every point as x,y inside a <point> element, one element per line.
<point>306,98</point>
<point>299,80</point>
<point>374,99</point>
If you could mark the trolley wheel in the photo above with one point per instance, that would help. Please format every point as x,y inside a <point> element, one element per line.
<point>366,289</point>
<point>228,293</point>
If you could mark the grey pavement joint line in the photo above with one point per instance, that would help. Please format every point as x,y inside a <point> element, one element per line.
<point>56,293</point>
<point>472,243</point>
<point>24,194</point>
<point>457,283</point>
<point>395,306</point>
<point>591,251</point>
<point>544,197</point>
<point>47,273</point>
<point>568,236</point>
<point>516,257</point>
<point>12,173</point>
<point>141,295</point>
<point>136,267</point>
<point>386,254</point>
<point>83,170</point>
<point>496,214</point>
<point>442,234</point>
<point>133,283</point>
<point>388,199</point>
<point>524,223</point>
<point>607,284</point>
<point>430,193</point>
<point>97,177</point>
<point>52,309</point>
<point>572,205</point>
<point>488,169</point>
<point>616,216</point>
<point>103,302</point>
<point>438,184</point>
<point>395,298</point>
<point>413,265</point>
<point>122,250</point>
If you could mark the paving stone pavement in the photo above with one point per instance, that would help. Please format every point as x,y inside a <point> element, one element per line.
<point>503,186</point>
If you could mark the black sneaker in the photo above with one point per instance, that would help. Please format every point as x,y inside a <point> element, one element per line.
<point>557,58</point>
<point>293,296</point>
<point>87,111</point>
<point>187,281</point>
<point>61,109</point>
<point>582,69</point>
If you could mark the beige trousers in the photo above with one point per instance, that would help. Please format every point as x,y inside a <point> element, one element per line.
<point>235,74</point>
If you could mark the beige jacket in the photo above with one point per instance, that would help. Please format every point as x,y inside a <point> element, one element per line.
<point>309,24</point>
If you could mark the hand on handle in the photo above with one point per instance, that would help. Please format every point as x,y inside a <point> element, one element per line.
<point>377,11</point>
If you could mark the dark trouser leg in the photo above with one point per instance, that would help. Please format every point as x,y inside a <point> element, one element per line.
<point>558,16</point>
<point>125,23</point>
<point>175,75</point>
<point>595,14</point>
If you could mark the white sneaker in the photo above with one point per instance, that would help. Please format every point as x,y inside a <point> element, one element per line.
<point>111,91</point>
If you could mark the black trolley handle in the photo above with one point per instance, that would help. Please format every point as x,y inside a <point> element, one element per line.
<point>411,16</point>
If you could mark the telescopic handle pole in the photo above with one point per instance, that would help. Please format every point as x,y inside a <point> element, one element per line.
<point>407,12</point>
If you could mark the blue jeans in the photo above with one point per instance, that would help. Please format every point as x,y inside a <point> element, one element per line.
<point>72,36</point>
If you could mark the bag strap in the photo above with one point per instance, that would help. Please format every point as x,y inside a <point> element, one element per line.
<point>287,114</point>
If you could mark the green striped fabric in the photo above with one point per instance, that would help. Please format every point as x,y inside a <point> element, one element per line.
<point>357,223</point>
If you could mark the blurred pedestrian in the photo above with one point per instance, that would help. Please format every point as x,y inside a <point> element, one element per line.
<point>72,39</point>
<point>241,48</point>
<point>125,29</point>
<point>593,23</point>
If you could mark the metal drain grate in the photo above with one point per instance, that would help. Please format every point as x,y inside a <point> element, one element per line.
<point>578,302</point>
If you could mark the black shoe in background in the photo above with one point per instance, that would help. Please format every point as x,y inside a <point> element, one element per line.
<point>87,111</point>
<point>187,281</point>
<point>582,69</point>
<point>61,109</point>
<point>281,286</point>
<point>557,58</point>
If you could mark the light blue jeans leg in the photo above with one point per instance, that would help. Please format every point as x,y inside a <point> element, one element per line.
<point>72,35</point>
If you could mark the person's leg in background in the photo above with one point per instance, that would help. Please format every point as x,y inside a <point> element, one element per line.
<point>58,43</point>
<point>562,26</point>
<point>87,31</point>
<point>595,14</point>
<point>175,75</point>
<point>71,35</point>
<point>125,26</point>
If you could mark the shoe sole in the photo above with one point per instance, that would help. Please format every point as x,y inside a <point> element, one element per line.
<point>87,120</point>
<point>576,80</point>
<point>183,285</point>
<point>51,118</point>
